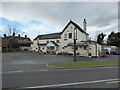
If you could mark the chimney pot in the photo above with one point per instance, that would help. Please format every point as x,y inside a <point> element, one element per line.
<point>85,25</point>
<point>25,36</point>
<point>5,35</point>
<point>18,35</point>
<point>13,33</point>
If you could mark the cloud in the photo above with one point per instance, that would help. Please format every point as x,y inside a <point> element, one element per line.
<point>94,31</point>
<point>59,13</point>
<point>101,16</point>
<point>34,28</point>
<point>5,22</point>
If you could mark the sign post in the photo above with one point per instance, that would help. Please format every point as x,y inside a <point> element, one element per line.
<point>74,39</point>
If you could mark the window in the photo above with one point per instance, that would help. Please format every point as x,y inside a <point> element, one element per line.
<point>47,42</point>
<point>50,48</point>
<point>84,47</point>
<point>65,37</point>
<point>57,41</point>
<point>70,35</point>
<point>56,48</point>
<point>76,48</point>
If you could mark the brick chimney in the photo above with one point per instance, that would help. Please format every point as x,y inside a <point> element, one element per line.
<point>25,36</point>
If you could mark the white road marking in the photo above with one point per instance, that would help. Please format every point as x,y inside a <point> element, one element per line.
<point>67,84</point>
<point>83,68</point>
<point>43,70</point>
<point>109,67</point>
<point>113,82</point>
<point>12,71</point>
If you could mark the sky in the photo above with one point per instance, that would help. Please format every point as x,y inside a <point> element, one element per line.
<point>35,18</point>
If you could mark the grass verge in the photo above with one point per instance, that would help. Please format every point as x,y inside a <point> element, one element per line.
<point>84,63</point>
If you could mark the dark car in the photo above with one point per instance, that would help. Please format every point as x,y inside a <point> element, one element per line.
<point>106,51</point>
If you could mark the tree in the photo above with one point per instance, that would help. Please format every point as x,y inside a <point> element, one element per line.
<point>100,38</point>
<point>114,39</point>
<point>9,30</point>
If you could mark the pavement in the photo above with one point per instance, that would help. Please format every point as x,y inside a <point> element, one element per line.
<point>29,70</point>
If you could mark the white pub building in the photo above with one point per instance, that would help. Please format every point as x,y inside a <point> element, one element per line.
<point>62,43</point>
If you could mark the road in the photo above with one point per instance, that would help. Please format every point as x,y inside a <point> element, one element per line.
<point>93,77</point>
<point>29,70</point>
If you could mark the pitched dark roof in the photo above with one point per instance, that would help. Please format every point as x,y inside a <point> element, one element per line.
<point>54,43</point>
<point>76,25</point>
<point>58,35</point>
<point>16,39</point>
<point>49,36</point>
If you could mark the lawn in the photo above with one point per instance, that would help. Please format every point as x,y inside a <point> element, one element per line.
<point>84,63</point>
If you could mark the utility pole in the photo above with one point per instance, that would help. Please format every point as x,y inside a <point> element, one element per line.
<point>75,38</point>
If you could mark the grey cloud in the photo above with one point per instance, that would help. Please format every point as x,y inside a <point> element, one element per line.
<point>58,14</point>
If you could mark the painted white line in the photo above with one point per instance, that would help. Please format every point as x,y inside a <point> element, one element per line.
<point>67,84</point>
<point>12,72</point>
<point>113,82</point>
<point>43,70</point>
<point>106,67</point>
<point>110,67</point>
<point>49,66</point>
<point>84,68</point>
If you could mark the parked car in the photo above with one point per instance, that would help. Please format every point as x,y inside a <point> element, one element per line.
<point>115,51</point>
<point>106,51</point>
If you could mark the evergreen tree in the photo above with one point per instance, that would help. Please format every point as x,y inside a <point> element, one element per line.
<point>100,38</point>
<point>114,39</point>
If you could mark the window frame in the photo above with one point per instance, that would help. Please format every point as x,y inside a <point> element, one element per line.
<point>70,35</point>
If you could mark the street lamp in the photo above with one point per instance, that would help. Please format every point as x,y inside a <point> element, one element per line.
<point>74,39</point>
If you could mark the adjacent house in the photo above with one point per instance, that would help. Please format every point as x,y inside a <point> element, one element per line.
<point>62,42</point>
<point>47,43</point>
<point>13,43</point>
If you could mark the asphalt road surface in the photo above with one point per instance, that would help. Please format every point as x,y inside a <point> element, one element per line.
<point>28,70</point>
<point>93,77</point>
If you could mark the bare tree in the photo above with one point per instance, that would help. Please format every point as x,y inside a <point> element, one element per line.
<point>9,30</point>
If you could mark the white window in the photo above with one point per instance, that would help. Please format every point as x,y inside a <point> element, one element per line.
<point>65,36</point>
<point>50,48</point>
